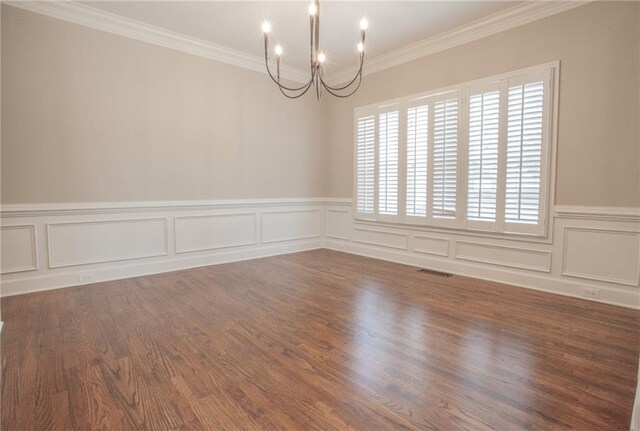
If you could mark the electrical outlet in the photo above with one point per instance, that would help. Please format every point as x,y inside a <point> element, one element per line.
<point>591,293</point>
<point>85,277</point>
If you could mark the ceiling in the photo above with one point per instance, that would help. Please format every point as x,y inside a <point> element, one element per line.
<point>237,24</point>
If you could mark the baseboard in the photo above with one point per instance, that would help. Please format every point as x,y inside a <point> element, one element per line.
<point>517,278</point>
<point>116,272</point>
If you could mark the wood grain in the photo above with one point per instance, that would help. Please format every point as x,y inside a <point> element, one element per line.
<point>315,340</point>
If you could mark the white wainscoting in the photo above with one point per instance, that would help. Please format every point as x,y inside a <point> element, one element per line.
<point>97,241</point>
<point>88,243</point>
<point>430,245</point>
<point>513,257</point>
<point>589,248</point>
<point>291,224</point>
<point>215,231</point>
<point>380,238</point>
<point>19,250</point>
<point>338,226</point>
<point>51,246</point>
<point>601,254</point>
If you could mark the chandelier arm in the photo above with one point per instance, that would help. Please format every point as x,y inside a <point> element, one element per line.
<point>342,96</point>
<point>298,95</point>
<point>318,86</point>
<point>266,62</point>
<point>358,74</point>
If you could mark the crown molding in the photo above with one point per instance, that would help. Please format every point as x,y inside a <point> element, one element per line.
<point>496,23</point>
<point>100,20</point>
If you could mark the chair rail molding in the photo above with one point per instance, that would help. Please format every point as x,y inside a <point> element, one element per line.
<point>591,247</point>
<point>84,208</point>
<point>631,214</point>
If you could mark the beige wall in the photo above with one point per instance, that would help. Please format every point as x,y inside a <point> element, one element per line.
<point>91,116</point>
<point>598,142</point>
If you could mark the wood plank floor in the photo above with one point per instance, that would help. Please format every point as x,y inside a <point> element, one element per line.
<point>314,340</point>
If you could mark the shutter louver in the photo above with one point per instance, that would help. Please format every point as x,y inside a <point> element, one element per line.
<point>417,153</point>
<point>366,165</point>
<point>445,158</point>
<point>388,162</point>
<point>524,152</point>
<point>483,156</point>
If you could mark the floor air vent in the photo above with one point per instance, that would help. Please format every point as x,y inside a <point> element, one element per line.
<point>436,273</point>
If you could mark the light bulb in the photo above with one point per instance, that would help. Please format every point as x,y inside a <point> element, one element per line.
<point>313,9</point>
<point>364,24</point>
<point>278,50</point>
<point>360,47</point>
<point>266,27</point>
<point>321,57</point>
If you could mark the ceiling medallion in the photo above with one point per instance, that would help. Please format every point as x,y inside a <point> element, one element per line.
<point>317,61</point>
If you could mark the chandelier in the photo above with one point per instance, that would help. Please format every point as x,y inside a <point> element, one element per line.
<point>317,61</point>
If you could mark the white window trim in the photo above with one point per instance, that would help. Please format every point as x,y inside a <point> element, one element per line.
<point>543,232</point>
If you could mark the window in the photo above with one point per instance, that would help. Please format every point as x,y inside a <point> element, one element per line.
<point>474,156</point>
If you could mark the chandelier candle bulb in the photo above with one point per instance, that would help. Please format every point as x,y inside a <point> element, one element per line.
<point>278,50</point>
<point>364,24</point>
<point>321,57</point>
<point>360,47</point>
<point>266,27</point>
<point>313,9</point>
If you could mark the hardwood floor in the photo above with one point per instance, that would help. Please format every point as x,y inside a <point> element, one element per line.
<point>314,340</point>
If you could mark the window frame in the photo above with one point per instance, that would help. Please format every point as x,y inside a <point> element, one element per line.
<point>540,232</point>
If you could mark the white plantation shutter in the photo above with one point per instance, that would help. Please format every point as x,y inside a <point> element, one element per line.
<point>525,117</point>
<point>478,162</point>
<point>417,160</point>
<point>366,149</point>
<point>482,172</point>
<point>445,156</point>
<point>388,169</point>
